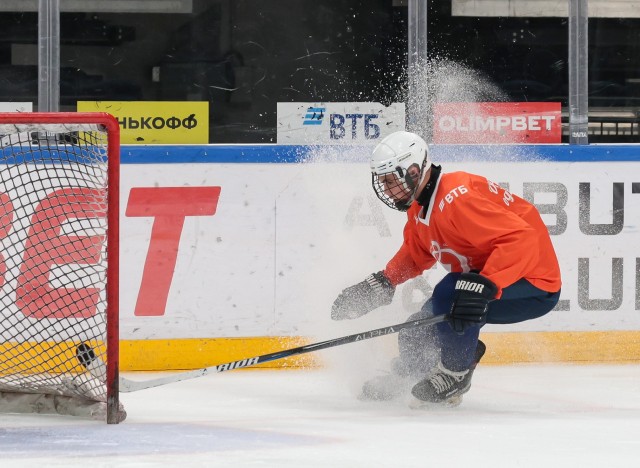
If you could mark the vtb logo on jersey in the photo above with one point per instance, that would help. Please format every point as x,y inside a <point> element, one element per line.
<point>469,286</point>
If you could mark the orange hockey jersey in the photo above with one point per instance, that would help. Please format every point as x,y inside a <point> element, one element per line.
<point>474,224</point>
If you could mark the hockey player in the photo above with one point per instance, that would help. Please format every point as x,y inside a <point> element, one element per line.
<point>501,262</point>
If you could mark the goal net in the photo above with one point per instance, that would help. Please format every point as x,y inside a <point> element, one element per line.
<point>59,178</point>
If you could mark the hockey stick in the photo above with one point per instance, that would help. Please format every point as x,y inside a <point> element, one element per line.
<point>97,368</point>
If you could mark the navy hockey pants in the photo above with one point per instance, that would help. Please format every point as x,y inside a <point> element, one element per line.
<point>519,302</point>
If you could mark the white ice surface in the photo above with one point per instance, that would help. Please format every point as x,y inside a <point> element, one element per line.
<point>515,416</point>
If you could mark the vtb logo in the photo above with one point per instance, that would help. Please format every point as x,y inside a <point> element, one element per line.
<point>314,116</point>
<point>338,126</point>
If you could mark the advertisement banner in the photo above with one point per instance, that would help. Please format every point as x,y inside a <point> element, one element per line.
<point>156,122</point>
<point>232,250</point>
<point>497,122</point>
<point>337,123</point>
<point>213,251</point>
<point>16,107</point>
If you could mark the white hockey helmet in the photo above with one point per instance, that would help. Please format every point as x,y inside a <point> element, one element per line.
<point>398,166</point>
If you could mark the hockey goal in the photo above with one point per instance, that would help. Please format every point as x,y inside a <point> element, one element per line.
<point>59,182</point>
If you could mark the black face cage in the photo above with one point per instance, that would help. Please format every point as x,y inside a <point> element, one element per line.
<point>398,187</point>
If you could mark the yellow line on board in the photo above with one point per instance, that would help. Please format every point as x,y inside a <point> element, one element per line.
<point>502,348</point>
<point>195,353</point>
<point>43,357</point>
<point>570,347</point>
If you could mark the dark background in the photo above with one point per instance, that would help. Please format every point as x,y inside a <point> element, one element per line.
<point>244,56</point>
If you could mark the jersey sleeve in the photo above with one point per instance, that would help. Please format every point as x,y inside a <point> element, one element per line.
<point>410,260</point>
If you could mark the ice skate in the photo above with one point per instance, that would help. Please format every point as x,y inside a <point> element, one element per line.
<point>444,386</point>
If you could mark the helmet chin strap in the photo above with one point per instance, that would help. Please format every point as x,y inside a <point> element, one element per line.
<point>428,190</point>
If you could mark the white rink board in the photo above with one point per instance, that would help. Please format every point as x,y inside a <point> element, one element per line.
<point>286,238</point>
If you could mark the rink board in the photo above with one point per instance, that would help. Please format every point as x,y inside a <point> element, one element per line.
<point>236,251</point>
<point>297,244</point>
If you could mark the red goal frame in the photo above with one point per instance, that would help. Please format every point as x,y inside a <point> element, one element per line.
<point>113,230</point>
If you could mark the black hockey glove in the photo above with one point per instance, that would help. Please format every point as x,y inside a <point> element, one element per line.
<point>471,302</point>
<point>375,291</point>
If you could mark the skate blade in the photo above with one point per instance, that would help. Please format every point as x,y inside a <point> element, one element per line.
<point>452,402</point>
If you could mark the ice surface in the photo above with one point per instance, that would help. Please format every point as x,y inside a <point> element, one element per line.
<point>514,416</point>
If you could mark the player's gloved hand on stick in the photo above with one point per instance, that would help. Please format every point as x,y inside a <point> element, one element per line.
<point>355,301</point>
<point>471,302</point>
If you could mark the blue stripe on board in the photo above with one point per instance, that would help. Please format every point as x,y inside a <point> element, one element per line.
<point>77,155</point>
<point>156,154</point>
<point>557,153</point>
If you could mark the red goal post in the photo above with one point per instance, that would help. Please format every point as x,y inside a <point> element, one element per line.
<point>59,240</point>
